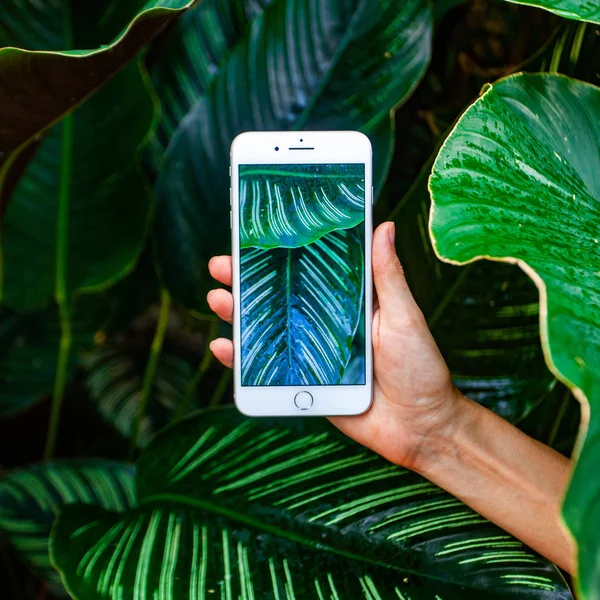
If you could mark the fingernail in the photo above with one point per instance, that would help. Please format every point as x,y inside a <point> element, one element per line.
<point>392,233</point>
<point>211,345</point>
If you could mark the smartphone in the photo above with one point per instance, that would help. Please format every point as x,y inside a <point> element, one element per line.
<point>301,224</point>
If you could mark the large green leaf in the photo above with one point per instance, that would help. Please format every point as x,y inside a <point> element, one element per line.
<point>42,77</point>
<point>484,317</point>
<point>284,206</point>
<point>197,45</point>
<point>30,499</point>
<point>114,380</point>
<point>287,509</point>
<point>518,180</point>
<point>582,10</point>
<point>308,296</point>
<point>28,348</point>
<point>303,65</point>
<point>79,214</point>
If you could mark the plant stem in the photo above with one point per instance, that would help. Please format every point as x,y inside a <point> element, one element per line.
<point>155,350</point>
<point>61,286</point>
<point>60,381</point>
<point>558,50</point>
<point>61,290</point>
<point>577,43</point>
<point>207,359</point>
<point>559,417</point>
<point>221,388</point>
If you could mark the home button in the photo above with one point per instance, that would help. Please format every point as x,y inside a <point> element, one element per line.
<point>303,400</point>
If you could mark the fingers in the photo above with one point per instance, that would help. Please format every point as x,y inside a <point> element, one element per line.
<point>221,303</point>
<point>393,294</point>
<point>223,351</point>
<point>220,269</point>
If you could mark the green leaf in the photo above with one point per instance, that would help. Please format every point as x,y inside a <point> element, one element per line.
<point>321,78</point>
<point>44,77</point>
<point>308,296</point>
<point>517,180</point>
<point>581,10</point>
<point>283,207</point>
<point>485,317</point>
<point>79,214</point>
<point>30,499</point>
<point>287,508</point>
<point>28,347</point>
<point>114,380</point>
<point>198,43</point>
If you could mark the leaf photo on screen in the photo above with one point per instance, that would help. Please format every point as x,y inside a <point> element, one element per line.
<point>302,274</point>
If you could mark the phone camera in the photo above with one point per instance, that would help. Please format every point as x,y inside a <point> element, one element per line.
<point>276,148</point>
<point>301,140</point>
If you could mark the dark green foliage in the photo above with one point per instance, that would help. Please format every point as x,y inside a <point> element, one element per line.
<point>260,506</point>
<point>114,142</point>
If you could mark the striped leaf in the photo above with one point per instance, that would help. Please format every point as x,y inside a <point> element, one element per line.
<point>308,297</point>
<point>283,206</point>
<point>287,509</point>
<point>30,499</point>
<point>114,380</point>
<point>188,59</point>
<point>302,65</point>
<point>515,182</point>
<point>59,75</point>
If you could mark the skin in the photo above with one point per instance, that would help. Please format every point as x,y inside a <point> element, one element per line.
<point>419,419</point>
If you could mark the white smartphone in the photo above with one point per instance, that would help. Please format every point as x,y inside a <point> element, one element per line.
<point>301,223</point>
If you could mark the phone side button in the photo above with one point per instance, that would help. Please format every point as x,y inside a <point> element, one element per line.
<point>372,195</point>
<point>230,220</point>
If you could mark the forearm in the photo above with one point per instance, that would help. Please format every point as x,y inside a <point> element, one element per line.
<point>506,476</point>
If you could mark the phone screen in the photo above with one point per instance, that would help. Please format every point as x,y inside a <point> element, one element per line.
<point>302,274</point>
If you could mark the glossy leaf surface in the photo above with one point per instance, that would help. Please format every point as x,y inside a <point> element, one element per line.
<point>517,180</point>
<point>321,77</point>
<point>582,10</point>
<point>114,380</point>
<point>300,308</point>
<point>186,60</point>
<point>287,509</point>
<point>484,317</point>
<point>42,76</point>
<point>283,206</point>
<point>31,498</point>
<point>69,226</point>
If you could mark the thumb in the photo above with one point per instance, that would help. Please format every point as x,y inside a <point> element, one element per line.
<point>393,293</point>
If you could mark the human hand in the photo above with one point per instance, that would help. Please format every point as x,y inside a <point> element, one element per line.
<point>414,400</point>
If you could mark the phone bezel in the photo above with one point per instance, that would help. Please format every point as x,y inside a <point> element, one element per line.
<point>328,147</point>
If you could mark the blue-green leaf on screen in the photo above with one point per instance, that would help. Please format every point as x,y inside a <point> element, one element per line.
<point>294,205</point>
<point>300,309</point>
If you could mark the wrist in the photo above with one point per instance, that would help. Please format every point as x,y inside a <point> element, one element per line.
<point>444,440</point>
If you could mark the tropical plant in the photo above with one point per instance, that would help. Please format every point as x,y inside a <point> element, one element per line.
<point>302,272</point>
<point>115,125</point>
<point>311,203</point>
<point>308,293</point>
<point>514,192</point>
<point>283,509</point>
